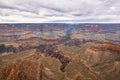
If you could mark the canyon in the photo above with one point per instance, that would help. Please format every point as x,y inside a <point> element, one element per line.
<point>56,51</point>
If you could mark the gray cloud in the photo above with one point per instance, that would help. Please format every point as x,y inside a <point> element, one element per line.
<point>59,10</point>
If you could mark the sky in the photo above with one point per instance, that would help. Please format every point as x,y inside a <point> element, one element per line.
<point>45,11</point>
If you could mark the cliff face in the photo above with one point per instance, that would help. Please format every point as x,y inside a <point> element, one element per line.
<point>11,48</point>
<point>90,61</point>
<point>23,70</point>
<point>4,48</point>
<point>49,50</point>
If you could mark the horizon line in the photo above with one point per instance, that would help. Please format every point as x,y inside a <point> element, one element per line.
<point>60,22</point>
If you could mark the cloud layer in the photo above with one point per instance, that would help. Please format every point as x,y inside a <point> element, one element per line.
<point>36,11</point>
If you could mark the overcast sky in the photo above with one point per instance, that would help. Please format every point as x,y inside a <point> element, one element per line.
<point>37,11</point>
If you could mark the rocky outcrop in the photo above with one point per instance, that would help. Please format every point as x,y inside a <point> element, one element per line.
<point>49,50</point>
<point>11,48</point>
<point>23,70</point>
<point>112,48</point>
